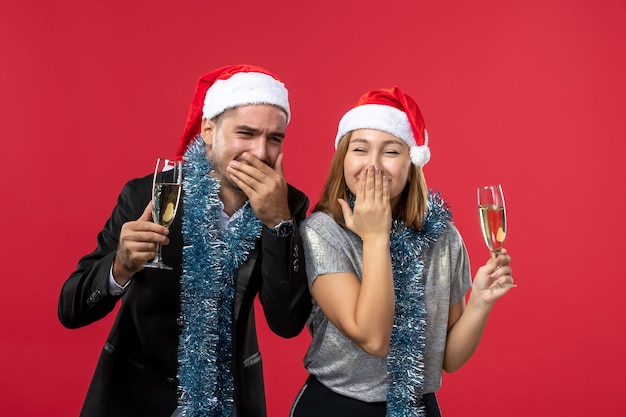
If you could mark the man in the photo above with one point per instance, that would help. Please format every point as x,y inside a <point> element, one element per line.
<point>184,341</point>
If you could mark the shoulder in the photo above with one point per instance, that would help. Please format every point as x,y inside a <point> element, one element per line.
<point>295,193</point>
<point>448,248</point>
<point>319,220</point>
<point>297,200</point>
<point>137,191</point>
<point>450,235</point>
<point>140,183</point>
<point>321,225</point>
<point>448,242</point>
<point>452,231</point>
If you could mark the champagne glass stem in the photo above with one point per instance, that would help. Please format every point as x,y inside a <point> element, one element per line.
<point>157,262</point>
<point>158,259</point>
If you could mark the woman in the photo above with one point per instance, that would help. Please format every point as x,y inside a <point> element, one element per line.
<point>388,272</point>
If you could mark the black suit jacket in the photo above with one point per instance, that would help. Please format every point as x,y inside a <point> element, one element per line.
<point>136,372</point>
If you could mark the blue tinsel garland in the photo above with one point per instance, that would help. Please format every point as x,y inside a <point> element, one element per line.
<point>405,360</point>
<point>210,262</point>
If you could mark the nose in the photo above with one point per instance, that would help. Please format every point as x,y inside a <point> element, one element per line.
<point>376,161</point>
<point>258,148</point>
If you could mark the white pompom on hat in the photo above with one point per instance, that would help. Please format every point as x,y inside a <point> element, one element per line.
<point>391,111</point>
<point>229,87</point>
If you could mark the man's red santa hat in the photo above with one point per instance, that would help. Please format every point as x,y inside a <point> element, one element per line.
<point>229,87</point>
<point>391,111</point>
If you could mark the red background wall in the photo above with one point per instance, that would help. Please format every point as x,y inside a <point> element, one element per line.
<point>529,94</point>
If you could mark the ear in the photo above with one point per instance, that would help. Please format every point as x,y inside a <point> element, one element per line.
<point>207,130</point>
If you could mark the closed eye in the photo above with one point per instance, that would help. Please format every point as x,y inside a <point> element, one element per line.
<point>277,139</point>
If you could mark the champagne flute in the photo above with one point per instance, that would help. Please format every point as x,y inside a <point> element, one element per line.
<point>492,212</point>
<point>166,186</point>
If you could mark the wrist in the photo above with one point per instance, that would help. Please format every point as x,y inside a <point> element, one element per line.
<point>282,228</point>
<point>477,303</point>
<point>381,240</point>
<point>121,274</point>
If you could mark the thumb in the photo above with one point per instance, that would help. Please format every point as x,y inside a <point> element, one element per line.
<point>278,165</point>
<point>345,208</point>
<point>147,213</point>
<point>489,266</point>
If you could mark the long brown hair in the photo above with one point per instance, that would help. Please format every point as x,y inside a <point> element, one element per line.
<point>413,201</point>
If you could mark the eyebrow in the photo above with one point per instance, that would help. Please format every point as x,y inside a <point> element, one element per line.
<point>258,131</point>
<point>387,142</point>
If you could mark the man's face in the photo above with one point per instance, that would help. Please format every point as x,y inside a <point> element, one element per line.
<point>257,129</point>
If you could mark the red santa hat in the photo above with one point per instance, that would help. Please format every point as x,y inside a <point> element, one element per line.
<point>392,111</point>
<point>229,87</point>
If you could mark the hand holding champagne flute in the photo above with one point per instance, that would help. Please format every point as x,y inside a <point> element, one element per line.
<point>166,187</point>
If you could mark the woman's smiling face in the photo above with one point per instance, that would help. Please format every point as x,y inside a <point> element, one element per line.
<point>370,147</point>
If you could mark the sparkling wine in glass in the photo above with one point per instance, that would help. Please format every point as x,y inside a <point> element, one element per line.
<point>492,212</point>
<point>166,186</point>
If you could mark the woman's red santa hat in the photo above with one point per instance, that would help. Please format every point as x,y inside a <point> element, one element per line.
<point>229,87</point>
<point>391,111</point>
